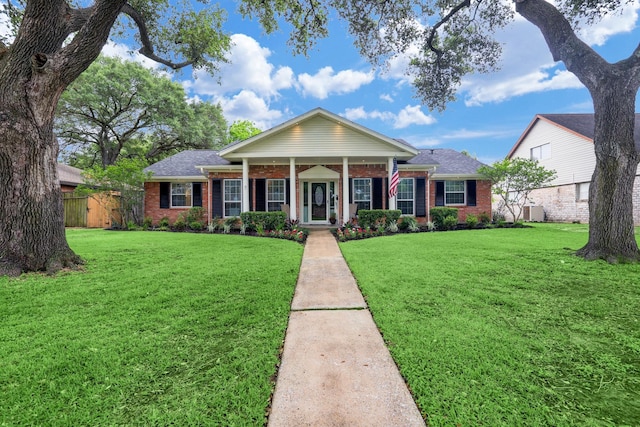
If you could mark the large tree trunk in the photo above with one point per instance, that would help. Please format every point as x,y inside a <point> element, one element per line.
<point>32,233</point>
<point>611,229</point>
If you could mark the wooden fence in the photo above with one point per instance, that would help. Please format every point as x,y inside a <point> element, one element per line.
<point>94,211</point>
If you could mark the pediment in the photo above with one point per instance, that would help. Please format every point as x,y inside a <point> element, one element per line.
<point>319,172</point>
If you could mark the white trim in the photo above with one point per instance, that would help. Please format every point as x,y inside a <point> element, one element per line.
<point>345,190</point>
<point>293,202</point>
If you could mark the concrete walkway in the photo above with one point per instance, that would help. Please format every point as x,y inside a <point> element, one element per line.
<point>336,370</point>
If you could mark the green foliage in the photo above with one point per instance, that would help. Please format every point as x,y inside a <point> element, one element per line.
<point>514,179</point>
<point>241,130</point>
<point>180,224</point>
<point>484,218</point>
<point>471,221</point>
<point>164,222</point>
<point>372,217</point>
<point>147,222</point>
<point>439,213</point>
<point>265,221</point>
<point>196,213</point>
<point>121,187</point>
<point>136,112</point>
<point>450,222</point>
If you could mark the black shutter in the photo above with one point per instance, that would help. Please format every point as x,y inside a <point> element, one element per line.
<point>439,193</point>
<point>350,190</point>
<point>261,195</point>
<point>287,184</point>
<point>471,193</point>
<point>421,199</point>
<point>216,198</point>
<point>376,189</point>
<point>197,193</point>
<point>165,196</point>
<point>251,207</point>
<point>385,187</point>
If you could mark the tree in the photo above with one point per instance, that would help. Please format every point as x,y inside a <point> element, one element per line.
<point>120,108</point>
<point>456,37</point>
<point>242,129</point>
<point>514,179</point>
<point>55,41</point>
<point>120,185</point>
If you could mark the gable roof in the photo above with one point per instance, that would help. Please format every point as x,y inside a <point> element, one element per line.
<point>184,165</point>
<point>448,162</point>
<point>68,175</point>
<point>582,125</point>
<point>402,148</point>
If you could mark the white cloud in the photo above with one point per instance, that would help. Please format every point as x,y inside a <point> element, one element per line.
<point>386,97</point>
<point>248,69</point>
<point>325,82</point>
<point>412,115</point>
<point>409,115</point>
<point>610,25</point>
<point>246,105</point>
<point>119,50</point>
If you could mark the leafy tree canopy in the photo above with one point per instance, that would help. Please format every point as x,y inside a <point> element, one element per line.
<point>513,180</point>
<point>121,109</point>
<point>242,129</point>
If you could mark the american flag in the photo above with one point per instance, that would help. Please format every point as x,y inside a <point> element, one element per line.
<point>395,179</point>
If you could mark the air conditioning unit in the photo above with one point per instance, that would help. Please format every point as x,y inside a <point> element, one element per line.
<point>533,213</point>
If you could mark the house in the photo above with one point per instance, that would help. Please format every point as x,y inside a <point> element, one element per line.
<point>69,177</point>
<point>314,166</point>
<point>564,143</point>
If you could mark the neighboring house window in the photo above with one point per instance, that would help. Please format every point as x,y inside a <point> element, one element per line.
<point>541,152</point>
<point>454,192</point>
<point>232,197</point>
<point>276,195</point>
<point>362,192</point>
<point>405,196</point>
<point>582,191</point>
<point>181,194</point>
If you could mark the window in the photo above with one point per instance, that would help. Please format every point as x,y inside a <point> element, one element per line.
<point>362,192</point>
<point>232,197</point>
<point>275,194</point>
<point>582,191</point>
<point>181,194</point>
<point>541,152</point>
<point>405,196</point>
<point>454,192</point>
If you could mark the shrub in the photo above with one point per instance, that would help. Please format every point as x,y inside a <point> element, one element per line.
<point>179,224</point>
<point>472,221</point>
<point>196,225</point>
<point>372,217</point>
<point>450,222</point>
<point>147,223</point>
<point>484,218</point>
<point>439,214</point>
<point>392,227</point>
<point>194,214</point>
<point>164,222</point>
<point>409,223</point>
<point>267,220</point>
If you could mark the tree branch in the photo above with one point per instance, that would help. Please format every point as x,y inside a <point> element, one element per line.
<point>447,18</point>
<point>147,46</point>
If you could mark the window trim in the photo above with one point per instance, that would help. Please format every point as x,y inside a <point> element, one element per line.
<point>464,193</point>
<point>354,193</point>
<point>224,196</point>
<point>413,196</point>
<point>284,194</point>
<point>544,155</point>
<point>188,191</point>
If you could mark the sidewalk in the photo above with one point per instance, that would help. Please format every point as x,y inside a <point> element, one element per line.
<point>336,370</point>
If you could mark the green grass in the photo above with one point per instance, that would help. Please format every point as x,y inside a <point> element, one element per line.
<point>506,327</point>
<point>161,329</point>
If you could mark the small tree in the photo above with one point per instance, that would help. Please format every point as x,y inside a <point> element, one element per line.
<point>514,179</point>
<point>242,129</point>
<point>120,187</point>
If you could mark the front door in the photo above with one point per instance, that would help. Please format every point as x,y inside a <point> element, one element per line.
<point>318,202</point>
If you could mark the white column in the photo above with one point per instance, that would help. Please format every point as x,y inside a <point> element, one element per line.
<point>392,201</point>
<point>345,189</point>
<point>293,199</point>
<point>245,185</point>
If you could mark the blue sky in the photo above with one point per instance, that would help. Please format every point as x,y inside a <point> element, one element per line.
<point>266,84</point>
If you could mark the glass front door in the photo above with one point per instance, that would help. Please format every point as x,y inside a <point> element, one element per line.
<point>318,202</point>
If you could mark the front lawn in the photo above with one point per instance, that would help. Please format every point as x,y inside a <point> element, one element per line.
<point>161,329</point>
<point>506,327</point>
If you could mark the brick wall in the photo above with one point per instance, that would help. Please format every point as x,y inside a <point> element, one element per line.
<point>152,203</point>
<point>483,200</point>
